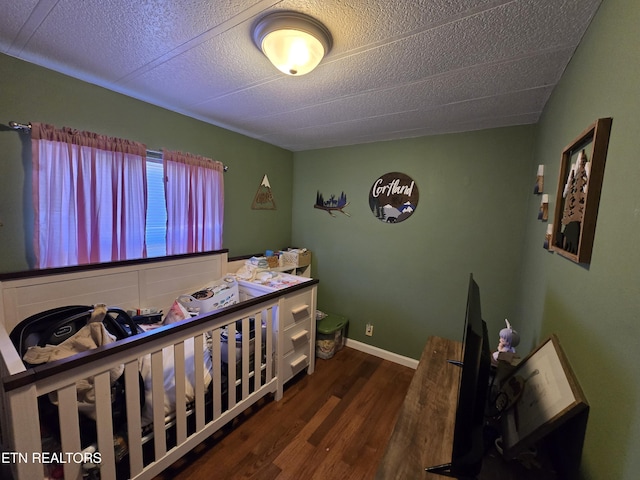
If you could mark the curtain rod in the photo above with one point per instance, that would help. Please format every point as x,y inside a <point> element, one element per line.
<point>26,127</point>
<point>158,155</point>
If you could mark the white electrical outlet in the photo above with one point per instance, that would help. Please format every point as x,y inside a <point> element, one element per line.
<point>369,330</point>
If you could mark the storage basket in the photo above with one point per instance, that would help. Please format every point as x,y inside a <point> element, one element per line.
<point>298,258</point>
<point>330,335</point>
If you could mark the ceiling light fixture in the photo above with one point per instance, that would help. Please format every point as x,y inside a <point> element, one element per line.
<point>295,43</point>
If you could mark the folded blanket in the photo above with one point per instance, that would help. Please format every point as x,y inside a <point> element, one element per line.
<point>90,336</point>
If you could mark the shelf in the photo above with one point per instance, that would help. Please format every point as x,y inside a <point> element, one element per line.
<point>293,269</point>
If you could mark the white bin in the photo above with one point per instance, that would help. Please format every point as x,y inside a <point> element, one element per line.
<point>220,294</point>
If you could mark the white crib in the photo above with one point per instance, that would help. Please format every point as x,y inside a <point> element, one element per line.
<point>261,371</point>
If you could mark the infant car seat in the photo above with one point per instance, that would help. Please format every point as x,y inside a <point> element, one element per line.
<point>52,327</point>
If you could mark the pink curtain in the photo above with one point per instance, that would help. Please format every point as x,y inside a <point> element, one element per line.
<point>89,197</point>
<point>195,202</point>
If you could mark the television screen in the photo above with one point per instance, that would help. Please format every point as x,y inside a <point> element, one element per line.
<point>468,441</point>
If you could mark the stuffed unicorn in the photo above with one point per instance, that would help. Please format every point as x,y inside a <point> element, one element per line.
<point>509,339</point>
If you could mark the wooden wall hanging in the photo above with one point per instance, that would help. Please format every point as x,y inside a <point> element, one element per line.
<point>263,200</point>
<point>578,196</point>
<point>333,204</point>
<point>393,197</point>
<point>539,186</point>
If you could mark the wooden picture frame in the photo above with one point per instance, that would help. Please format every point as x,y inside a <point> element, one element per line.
<point>551,397</point>
<point>578,195</point>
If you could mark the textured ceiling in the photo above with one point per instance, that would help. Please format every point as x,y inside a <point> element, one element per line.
<point>398,68</point>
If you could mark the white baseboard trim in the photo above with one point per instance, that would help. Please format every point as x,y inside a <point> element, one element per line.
<point>384,354</point>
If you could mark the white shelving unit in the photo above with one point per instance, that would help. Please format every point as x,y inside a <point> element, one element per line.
<point>304,271</point>
<point>293,270</point>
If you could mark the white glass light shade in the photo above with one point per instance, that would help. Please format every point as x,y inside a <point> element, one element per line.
<point>293,52</point>
<point>295,43</point>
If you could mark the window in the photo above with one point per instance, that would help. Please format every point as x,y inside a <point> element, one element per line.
<point>156,230</point>
<point>89,202</point>
<point>102,199</point>
<point>194,191</point>
<point>191,187</point>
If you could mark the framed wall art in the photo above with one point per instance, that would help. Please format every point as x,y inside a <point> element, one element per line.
<point>551,397</point>
<point>578,196</point>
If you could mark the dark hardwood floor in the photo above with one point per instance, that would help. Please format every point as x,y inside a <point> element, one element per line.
<point>333,424</point>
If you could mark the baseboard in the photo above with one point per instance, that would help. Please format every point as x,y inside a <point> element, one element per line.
<point>379,352</point>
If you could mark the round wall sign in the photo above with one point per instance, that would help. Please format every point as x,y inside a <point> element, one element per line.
<point>393,197</point>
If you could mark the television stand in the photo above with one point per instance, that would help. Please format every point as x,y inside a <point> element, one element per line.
<point>423,434</point>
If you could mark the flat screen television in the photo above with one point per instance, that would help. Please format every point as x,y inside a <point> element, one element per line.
<point>468,438</point>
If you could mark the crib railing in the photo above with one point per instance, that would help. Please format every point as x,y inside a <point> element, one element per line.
<point>248,380</point>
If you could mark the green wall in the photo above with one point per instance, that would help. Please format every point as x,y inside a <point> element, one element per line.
<point>409,279</point>
<point>476,214</point>
<point>31,93</point>
<point>595,310</point>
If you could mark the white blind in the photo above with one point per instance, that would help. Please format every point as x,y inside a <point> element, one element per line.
<point>156,231</point>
